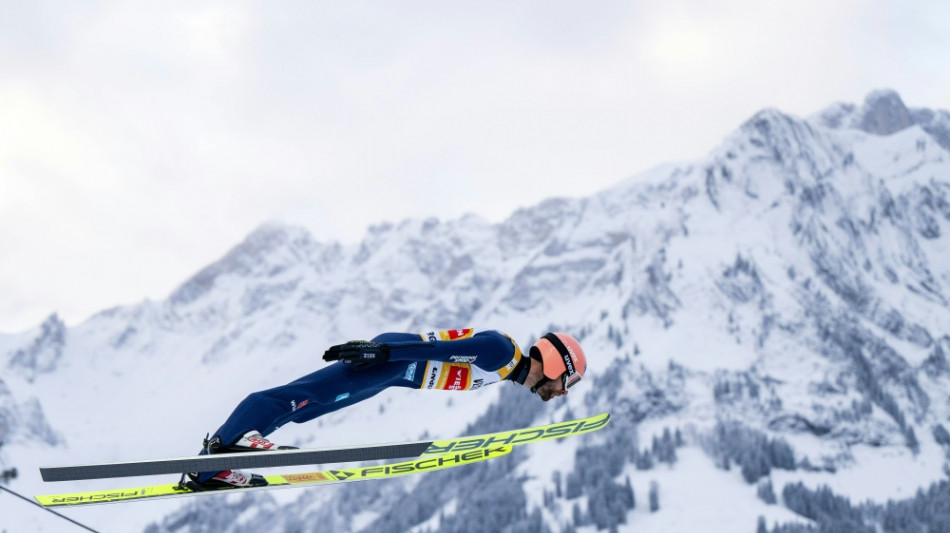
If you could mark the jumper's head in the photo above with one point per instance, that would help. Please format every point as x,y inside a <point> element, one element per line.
<point>562,361</point>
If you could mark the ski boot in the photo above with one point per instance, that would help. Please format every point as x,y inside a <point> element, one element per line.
<point>252,441</point>
<point>223,480</point>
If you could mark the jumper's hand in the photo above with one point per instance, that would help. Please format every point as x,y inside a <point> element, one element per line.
<point>360,354</point>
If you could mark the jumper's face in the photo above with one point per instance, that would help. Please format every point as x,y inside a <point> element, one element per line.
<point>551,389</point>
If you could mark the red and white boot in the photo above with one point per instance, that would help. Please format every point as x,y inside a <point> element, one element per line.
<point>253,440</point>
<point>236,478</point>
<point>228,478</point>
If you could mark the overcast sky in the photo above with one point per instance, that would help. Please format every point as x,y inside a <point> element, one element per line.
<point>139,141</point>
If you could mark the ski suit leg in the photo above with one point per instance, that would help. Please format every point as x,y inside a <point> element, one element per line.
<point>316,394</point>
<point>324,391</point>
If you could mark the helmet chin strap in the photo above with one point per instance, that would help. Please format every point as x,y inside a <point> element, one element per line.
<point>544,379</point>
<point>541,382</point>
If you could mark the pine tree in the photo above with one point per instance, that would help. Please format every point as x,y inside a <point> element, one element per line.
<point>781,454</point>
<point>578,517</point>
<point>667,447</point>
<point>630,498</point>
<point>765,491</point>
<point>645,460</point>
<point>654,497</point>
<point>941,435</point>
<point>574,487</point>
<point>912,442</point>
<point>598,511</point>
<point>754,465</point>
<point>926,512</point>
<point>761,527</point>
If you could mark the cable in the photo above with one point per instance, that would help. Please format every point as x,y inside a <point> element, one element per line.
<point>24,498</point>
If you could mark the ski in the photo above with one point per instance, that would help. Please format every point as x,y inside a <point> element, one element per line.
<point>283,458</point>
<point>278,481</point>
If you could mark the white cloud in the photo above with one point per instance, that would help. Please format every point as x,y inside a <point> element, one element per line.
<point>138,141</point>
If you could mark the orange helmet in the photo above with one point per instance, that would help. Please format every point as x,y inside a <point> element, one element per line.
<point>561,356</point>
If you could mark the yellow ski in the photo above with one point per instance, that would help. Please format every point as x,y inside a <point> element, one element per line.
<point>277,481</point>
<point>346,454</point>
<point>432,455</point>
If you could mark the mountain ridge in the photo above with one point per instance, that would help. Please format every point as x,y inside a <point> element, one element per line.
<point>792,281</point>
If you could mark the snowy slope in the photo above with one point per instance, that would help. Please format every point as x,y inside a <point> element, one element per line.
<point>793,281</point>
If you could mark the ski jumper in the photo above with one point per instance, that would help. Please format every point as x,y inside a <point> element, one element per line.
<point>448,360</point>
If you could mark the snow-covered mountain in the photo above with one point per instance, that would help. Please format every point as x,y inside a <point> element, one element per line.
<point>781,305</point>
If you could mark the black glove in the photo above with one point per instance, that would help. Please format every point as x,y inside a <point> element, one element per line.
<point>360,354</point>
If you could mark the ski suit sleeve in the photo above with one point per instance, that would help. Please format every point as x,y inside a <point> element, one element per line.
<point>488,350</point>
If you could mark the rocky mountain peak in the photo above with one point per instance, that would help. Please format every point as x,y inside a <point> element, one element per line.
<point>44,352</point>
<point>884,113</point>
<point>268,250</point>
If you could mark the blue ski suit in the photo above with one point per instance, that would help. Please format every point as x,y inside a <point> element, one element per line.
<point>448,360</point>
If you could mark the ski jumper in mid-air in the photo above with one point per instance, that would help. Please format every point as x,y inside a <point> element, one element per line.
<point>447,360</point>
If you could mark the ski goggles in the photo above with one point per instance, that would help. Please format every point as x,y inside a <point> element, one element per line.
<point>568,381</point>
